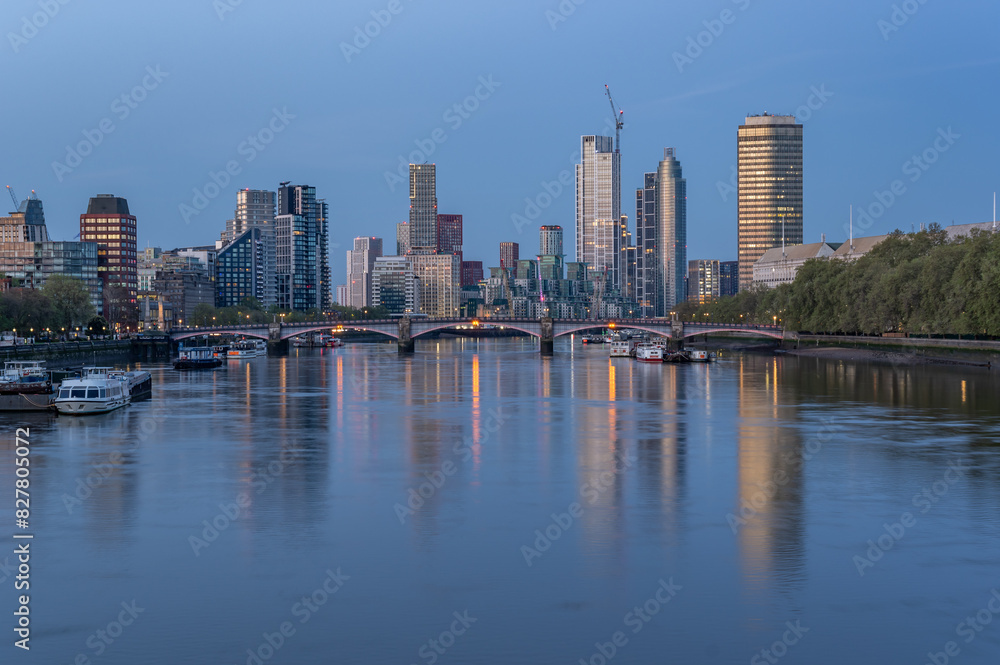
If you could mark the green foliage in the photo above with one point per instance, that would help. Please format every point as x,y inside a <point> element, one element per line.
<point>98,326</point>
<point>69,301</point>
<point>914,283</point>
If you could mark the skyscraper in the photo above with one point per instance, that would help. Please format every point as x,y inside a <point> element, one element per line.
<point>109,223</point>
<point>241,268</point>
<point>769,158</point>
<point>254,210</point>
<point>598,208</point>
<point>550,241</point>
<point>661,238</point>
<point>403,238</point>
<point>439,278</point>
<point>303,270</point>
<point>360,264</point>
<point>472,273</point>
<point>509,256</point>
<point>423,206</point>
<point>395,286</point>
<point>449,234</point>
<point>729,278</point>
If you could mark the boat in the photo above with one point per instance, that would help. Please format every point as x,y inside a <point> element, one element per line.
<point>138,383</point>
<point>25,377</point>
<point>220,351</point>
<point>649,353</point>
<point>244,349</point>
<point>698,356</point>
<point>621,349</point>
<point>197,357</point>
<point>261,347</point>
<point>334,342</point>
<point>94,392</point>
<point>26,385</point>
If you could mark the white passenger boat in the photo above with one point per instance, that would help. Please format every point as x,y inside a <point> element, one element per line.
<point>244,349</point>
<point>138,383</point>
<point>95,392</point>
<point>621,349</point>
<point>649,353</point>
<point>698,356</point>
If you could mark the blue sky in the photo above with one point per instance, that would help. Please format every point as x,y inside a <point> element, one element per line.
<point>200,77</point>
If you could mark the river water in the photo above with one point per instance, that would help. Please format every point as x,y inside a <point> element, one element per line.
<point>475,503</point>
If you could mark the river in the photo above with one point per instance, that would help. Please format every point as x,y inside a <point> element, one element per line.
<point>477,503</point>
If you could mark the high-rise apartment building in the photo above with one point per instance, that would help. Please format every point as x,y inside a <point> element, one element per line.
<point>661,238</point>
<point>769,164</point>
<point>403,239</point>
<point>360,264</point>
<point>729,278</point>
<point>423,206</point>
<point>301,237</point>
<point>395,286</point>
<point>449,234</point>
<point>109,223</point>
<point>439,275</point>
<point>509,256</point>
<point>598,208</point>
<point>703,280</point>
<point>242,269</point>
<point>550,241</point>
<point>472,273</point>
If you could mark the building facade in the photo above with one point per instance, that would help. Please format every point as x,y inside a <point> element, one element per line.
<point>241,269</point>
<point>661,238</point>
<point>769,192</point>
<point>729,278</point>
<point>472,273</point>
<point>779,265</point>
<point>509,256</point>
<point>255,208</point>
<point>598,208</point>
<point>703,280</point>
<point>423,206</point>
<point>449,234</point>
<point>440,276</point>
<point>550,241</point>
<point>403,239</point>
<point>109,223</point>
<point>360,264</point>
<point>301,239</point>
<point>395,286</point>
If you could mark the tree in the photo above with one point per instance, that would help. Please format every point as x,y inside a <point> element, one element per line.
<point>98,325</point>
<point>120,307</point>
<point>69,300</point>
<point>203,315</point>
<point>26,309</point>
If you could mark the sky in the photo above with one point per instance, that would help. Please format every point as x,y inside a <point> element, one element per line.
<point>177,104</point>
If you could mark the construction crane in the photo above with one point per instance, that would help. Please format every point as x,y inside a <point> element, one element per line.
<point>13,197</point>
<point>619,114</point>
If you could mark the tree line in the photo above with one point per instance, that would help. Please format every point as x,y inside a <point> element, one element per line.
<point>920,283</point>
<point>61,306</point>
<point>252,311</point>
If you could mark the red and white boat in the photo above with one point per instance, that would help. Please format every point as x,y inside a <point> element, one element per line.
<point>649,353</point>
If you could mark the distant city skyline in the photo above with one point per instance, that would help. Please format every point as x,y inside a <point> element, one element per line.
<point>164,130</point>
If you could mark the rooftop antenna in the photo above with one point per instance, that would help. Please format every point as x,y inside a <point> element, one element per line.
<point>852,228</point>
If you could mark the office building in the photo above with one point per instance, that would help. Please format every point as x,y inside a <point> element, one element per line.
<point>184,290</point>
<point>301,237</point>
<point>472,273</point>
<point>109,223</point>
<point>255,208</point>
<point>729,278</point>
<point>403,239</point>
<point>769,165</point>
<point>779,265</point>
<point>342,295</point>
<point>703,280</point>
<point>661,238</point>
<point>423,206</point>
<point>439,285</point>
<point>360,264</point>
<point>449,234</point>
<point>241,269</point>
<point>509,256</point>
<point>395,286</point>
<point>598,208</point>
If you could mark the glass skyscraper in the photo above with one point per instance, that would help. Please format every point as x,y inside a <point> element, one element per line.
<point>598,208</point>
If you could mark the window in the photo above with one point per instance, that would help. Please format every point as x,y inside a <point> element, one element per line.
<point>79,393</point>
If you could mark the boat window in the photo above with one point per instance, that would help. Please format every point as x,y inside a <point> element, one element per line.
<point>64,393</point>
<point>103,393</point>
<point>93,393</point>
<point>79,393</point>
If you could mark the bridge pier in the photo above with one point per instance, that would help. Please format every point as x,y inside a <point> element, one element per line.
<point>404,343</point>
<point>547,338</point>
<point>276,346</point>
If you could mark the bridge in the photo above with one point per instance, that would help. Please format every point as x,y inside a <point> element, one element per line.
<point>406,330</point>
